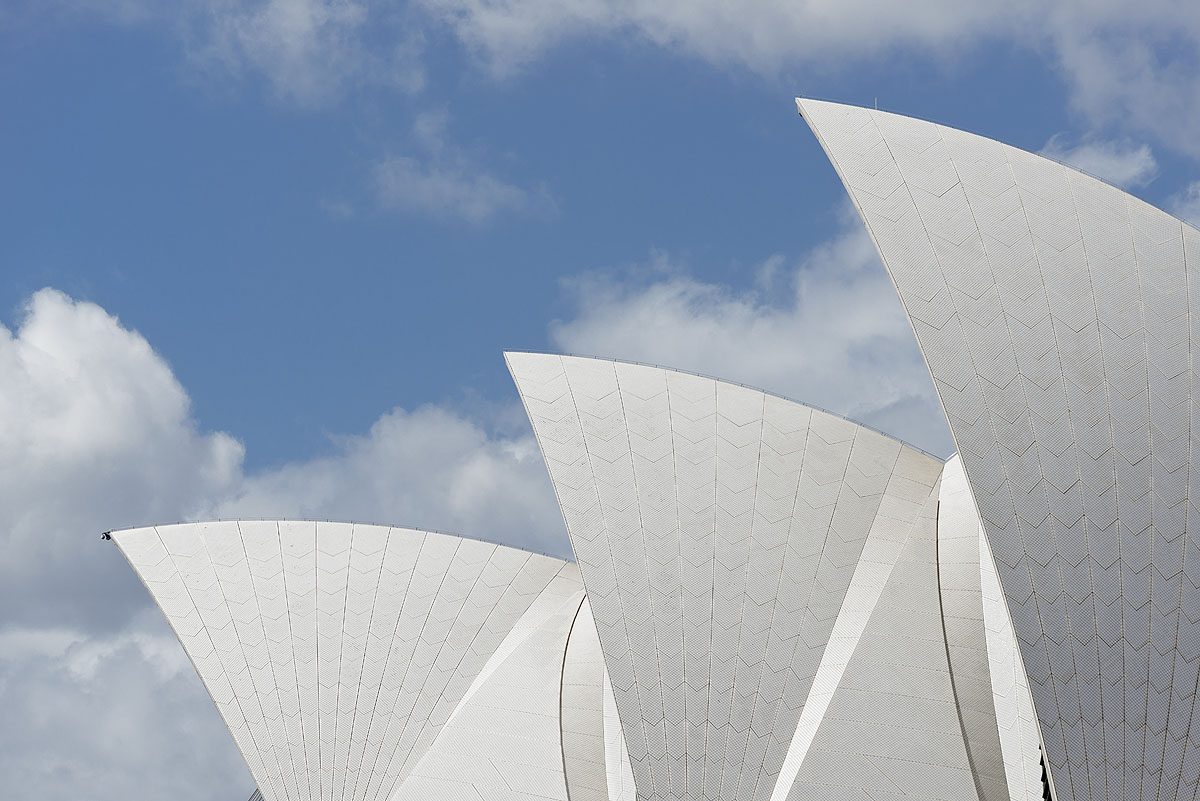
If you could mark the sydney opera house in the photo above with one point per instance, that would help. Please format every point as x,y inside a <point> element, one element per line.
<point>770,602</point>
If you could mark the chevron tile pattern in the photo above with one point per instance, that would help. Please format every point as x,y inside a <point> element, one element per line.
<point>890,726</point>
<point>780,604</point>
<point>748,561</point>
<point>503,741</point>
<point>365,663</point>
<point>1016,721</point>
<point>875,575</point>
<point>1054,313</point>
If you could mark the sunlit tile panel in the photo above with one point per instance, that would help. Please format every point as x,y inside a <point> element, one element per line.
<point>717,530</point>
<point>902,510</point>
<point>891,727</point>
<point>503,740</point>
<point>1054,313</point>
<point>338,653</point>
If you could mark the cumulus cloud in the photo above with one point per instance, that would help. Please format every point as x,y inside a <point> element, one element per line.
<point>98,698</point>
<point>1121,162</point>
<point>96,433</point>
<point>428,468</point>
<point>827,330</point>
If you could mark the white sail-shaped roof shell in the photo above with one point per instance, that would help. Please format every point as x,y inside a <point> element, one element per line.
<point>782,604</point>
<point>1056,315</point>
<point>367,663</point>
<point>766,583</point>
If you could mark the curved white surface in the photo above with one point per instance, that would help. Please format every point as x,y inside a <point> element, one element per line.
<point>503,741</point>
<point>960,582</point>
<point>725,537</point>
<point>886,719</point>
<point>1055,314</point>
<point>583,722</point>
<point>348,660</point>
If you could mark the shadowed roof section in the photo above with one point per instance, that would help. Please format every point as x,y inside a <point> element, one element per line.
<point>1056,313</point>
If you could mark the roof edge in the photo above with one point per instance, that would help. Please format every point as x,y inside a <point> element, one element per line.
<point>108,535</point>
<point>728,382</point>
<point>800,100</point>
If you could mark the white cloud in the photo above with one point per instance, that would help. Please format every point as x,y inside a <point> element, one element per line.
<point>117,715</point>
<point>1186,204</point>
<point>96,433</point>
<point>1132,64</point>
<point>764,36</point>
<point>1129,64</point>
<point>303,46</point>
<point>828,331</point>
<point>1121,163</point>
<point>445,183</point>
<point>98,697</point>
<point>308,51</point>
<point>427,468</point>
<point>445,190</point>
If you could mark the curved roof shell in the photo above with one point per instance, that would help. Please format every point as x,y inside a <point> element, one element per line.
<point>782,604</point>
<point>368,663</point>
<point>1055,313</point>
<point>766,581</point>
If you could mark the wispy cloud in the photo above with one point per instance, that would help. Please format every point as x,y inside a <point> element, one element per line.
<point>430,467</point>
<point>445,190</point>
<point>1186,204</point>
<point>1120,162</point>
<point>763,36</point>
<point>445,182</point>
<point>308,52</point>
<point>1125,64</point>
<point>1132,65</point>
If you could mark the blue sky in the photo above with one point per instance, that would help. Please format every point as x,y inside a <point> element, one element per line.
<point>263,258</point>
<point>244,232</point>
